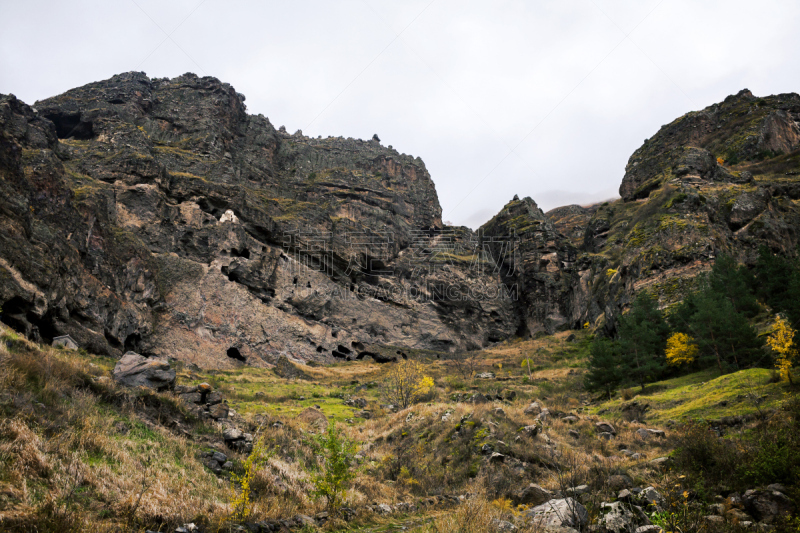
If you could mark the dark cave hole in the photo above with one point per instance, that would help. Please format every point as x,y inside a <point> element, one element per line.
<point>132,343</point>
<point>244,252</point>
<point>18,314</point>
<point>339,355</point>
<point>294,281</point>
<point>308,285</point>
<point>233,275</point>
<point>357,346</point>
<point>344,350</point>
<point>320,349</point>
<point>70,126</point>
<point>234,353</point>
<point>334,334</point>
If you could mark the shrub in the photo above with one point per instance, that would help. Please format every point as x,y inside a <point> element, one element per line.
<point>334,476</point>
<point>406,384</point>
<point>240,499</point>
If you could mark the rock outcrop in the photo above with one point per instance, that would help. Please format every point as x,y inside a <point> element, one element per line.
<point>156,215</point>
<point>134,370</point>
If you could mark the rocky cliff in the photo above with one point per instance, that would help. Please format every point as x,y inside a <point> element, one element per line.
<point>720,180</point>
<point>156,215</point>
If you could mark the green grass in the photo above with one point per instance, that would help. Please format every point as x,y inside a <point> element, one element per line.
<point>701,395</point>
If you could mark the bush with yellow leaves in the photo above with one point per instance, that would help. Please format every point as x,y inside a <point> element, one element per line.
<point>781,340</point>
<point>681,349</point>
<point>406,384</point>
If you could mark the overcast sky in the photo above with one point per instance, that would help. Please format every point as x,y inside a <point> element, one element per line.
<point>546,99</point>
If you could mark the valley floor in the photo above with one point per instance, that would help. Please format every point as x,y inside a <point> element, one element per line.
<point>80,452</point>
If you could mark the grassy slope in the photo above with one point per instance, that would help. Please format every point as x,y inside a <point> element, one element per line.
<point>64,459</point>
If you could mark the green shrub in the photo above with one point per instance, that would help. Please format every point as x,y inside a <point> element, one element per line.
<point>332,478</point>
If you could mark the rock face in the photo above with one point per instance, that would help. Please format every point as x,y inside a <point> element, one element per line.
<point>540,264</point>
<point>134,370</point>
<point>720,180</point>
<point>156,215</point>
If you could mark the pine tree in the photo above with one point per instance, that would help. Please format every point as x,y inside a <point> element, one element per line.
<point>733,282</point>
<point>778,283</point>
<point>605,373</point>
<point>642,338</point>
<point>723,335</point>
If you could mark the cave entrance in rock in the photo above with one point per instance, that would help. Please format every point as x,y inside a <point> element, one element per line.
<point>234,353</point>
<point>70,126</point>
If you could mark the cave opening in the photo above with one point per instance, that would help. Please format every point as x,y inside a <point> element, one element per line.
<point>70,126</point>
<point>18,314</point>
<point>234,353</point>
<point>344,349</point>
<point>244,252</point>
<point>132,343</point>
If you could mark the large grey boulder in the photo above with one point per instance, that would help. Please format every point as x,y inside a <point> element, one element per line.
<point>533,494</point>
<point>619,517</point>
<point>564,512</point>
<point>766,505</point>
<point>134,370</point>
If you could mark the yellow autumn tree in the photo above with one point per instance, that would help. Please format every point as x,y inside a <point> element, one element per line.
<point>406,383</point>
<point>681,349</point>
<point>781,340</point>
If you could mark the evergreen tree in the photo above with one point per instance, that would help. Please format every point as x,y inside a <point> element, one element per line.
<point>777,282</point>
<point>643,336</point>
<point>733,282</point>
<point>605,373</point>
<point>724,337</point>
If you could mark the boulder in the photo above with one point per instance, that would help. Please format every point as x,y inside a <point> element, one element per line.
<point>287,370</point>
<point>532,430</point>
<point>574,434</point>
<point>652,528</point>
<point>645,434</point>
<point>479,398</point>
<point>213,398</point>
<point>619,517</point>
<point>651,497</point>
<point>571,419</point>
<point>191,397</point>
<point>134,370</point>
<point>231,434</point>
<point>361,403</point>
<point>508,395</point>
<point>485,375</point>
<point>766,505</point>
<point>577,491</point>
<point>618,482</point>
<point>533,409</point>
<point>563,512</point>
<point>533,494</point>
<point>313,418</point>
<point>605,427</point>
<point>219,411</point>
